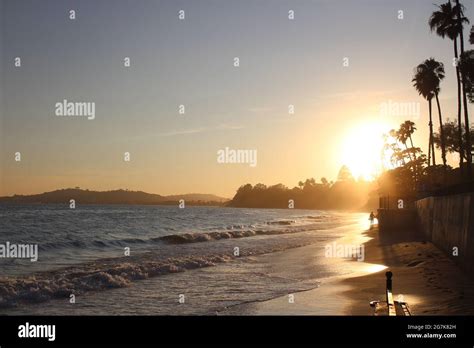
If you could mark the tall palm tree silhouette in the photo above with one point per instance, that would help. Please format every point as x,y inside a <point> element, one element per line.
<point>426,81</point>
<point>437,69</point>
<point>467,68</point>
<point>445,23</point>
<point>461,20</point>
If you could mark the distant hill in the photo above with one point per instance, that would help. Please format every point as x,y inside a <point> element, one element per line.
<point>204,197</point>
<point>113,197</point>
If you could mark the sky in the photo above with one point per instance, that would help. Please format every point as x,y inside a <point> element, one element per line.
<point>190,62</point>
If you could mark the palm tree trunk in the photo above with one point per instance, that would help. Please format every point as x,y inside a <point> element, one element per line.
<point>460,139</point>
<point>415,171</point>
<point>464,97</point>
<point>406,148</point>
<point>441,132</point>
<point>429,141</point>
<point>429,152</point>
<point>412,147</point>
<point>468,147</point>
<point>431,146</point>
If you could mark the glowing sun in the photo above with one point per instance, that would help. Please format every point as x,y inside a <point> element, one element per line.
<point>362,149</point>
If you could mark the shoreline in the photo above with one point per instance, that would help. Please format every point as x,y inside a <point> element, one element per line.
<point>328,298</point>
<point>423,276</point>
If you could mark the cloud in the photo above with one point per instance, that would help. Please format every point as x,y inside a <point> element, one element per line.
<point>258,110</point>
<point>182,132</point>
<point>200,130</point>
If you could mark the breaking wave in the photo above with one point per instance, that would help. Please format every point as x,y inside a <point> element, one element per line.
<point>75,262</point>
<point>211,236</point>
<point>282,222</point>
<point>94,277</point>
<point>108,274</point>
<point>184,238</point>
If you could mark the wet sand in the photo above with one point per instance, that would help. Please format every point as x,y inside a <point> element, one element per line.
<point>423,276</point>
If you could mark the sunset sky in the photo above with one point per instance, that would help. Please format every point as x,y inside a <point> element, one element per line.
<point>190,62</point>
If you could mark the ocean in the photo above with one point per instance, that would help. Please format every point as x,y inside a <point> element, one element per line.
<point>162,260</point>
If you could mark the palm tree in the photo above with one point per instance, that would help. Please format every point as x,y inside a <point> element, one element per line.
<point>460,24</point>
<point>466,66</point>
<point>446,24</point>
<point>425,91</point>
<point>410,128</point>
<point>402,136</point>
<point>437,70</point>
<point>405,132</point>
<point>426,81</point>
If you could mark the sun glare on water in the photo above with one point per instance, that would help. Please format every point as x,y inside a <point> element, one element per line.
<point>362,149</point>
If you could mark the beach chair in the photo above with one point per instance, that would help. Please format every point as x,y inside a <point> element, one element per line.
<point>389,306</point>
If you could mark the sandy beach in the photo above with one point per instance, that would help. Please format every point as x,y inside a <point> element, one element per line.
<point>423,276</point>
<point>430,282</point>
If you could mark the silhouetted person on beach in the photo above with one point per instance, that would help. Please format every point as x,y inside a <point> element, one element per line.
<point>372,219</point>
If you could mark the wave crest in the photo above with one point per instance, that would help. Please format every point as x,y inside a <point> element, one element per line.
<point>94,277</point>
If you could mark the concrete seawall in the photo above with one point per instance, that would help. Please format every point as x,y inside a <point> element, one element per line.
<point>448,221</point>
<point>392,220</point>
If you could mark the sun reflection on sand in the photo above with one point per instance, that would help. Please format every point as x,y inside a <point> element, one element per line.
<point>374,268</point>
<point>359,269</point>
